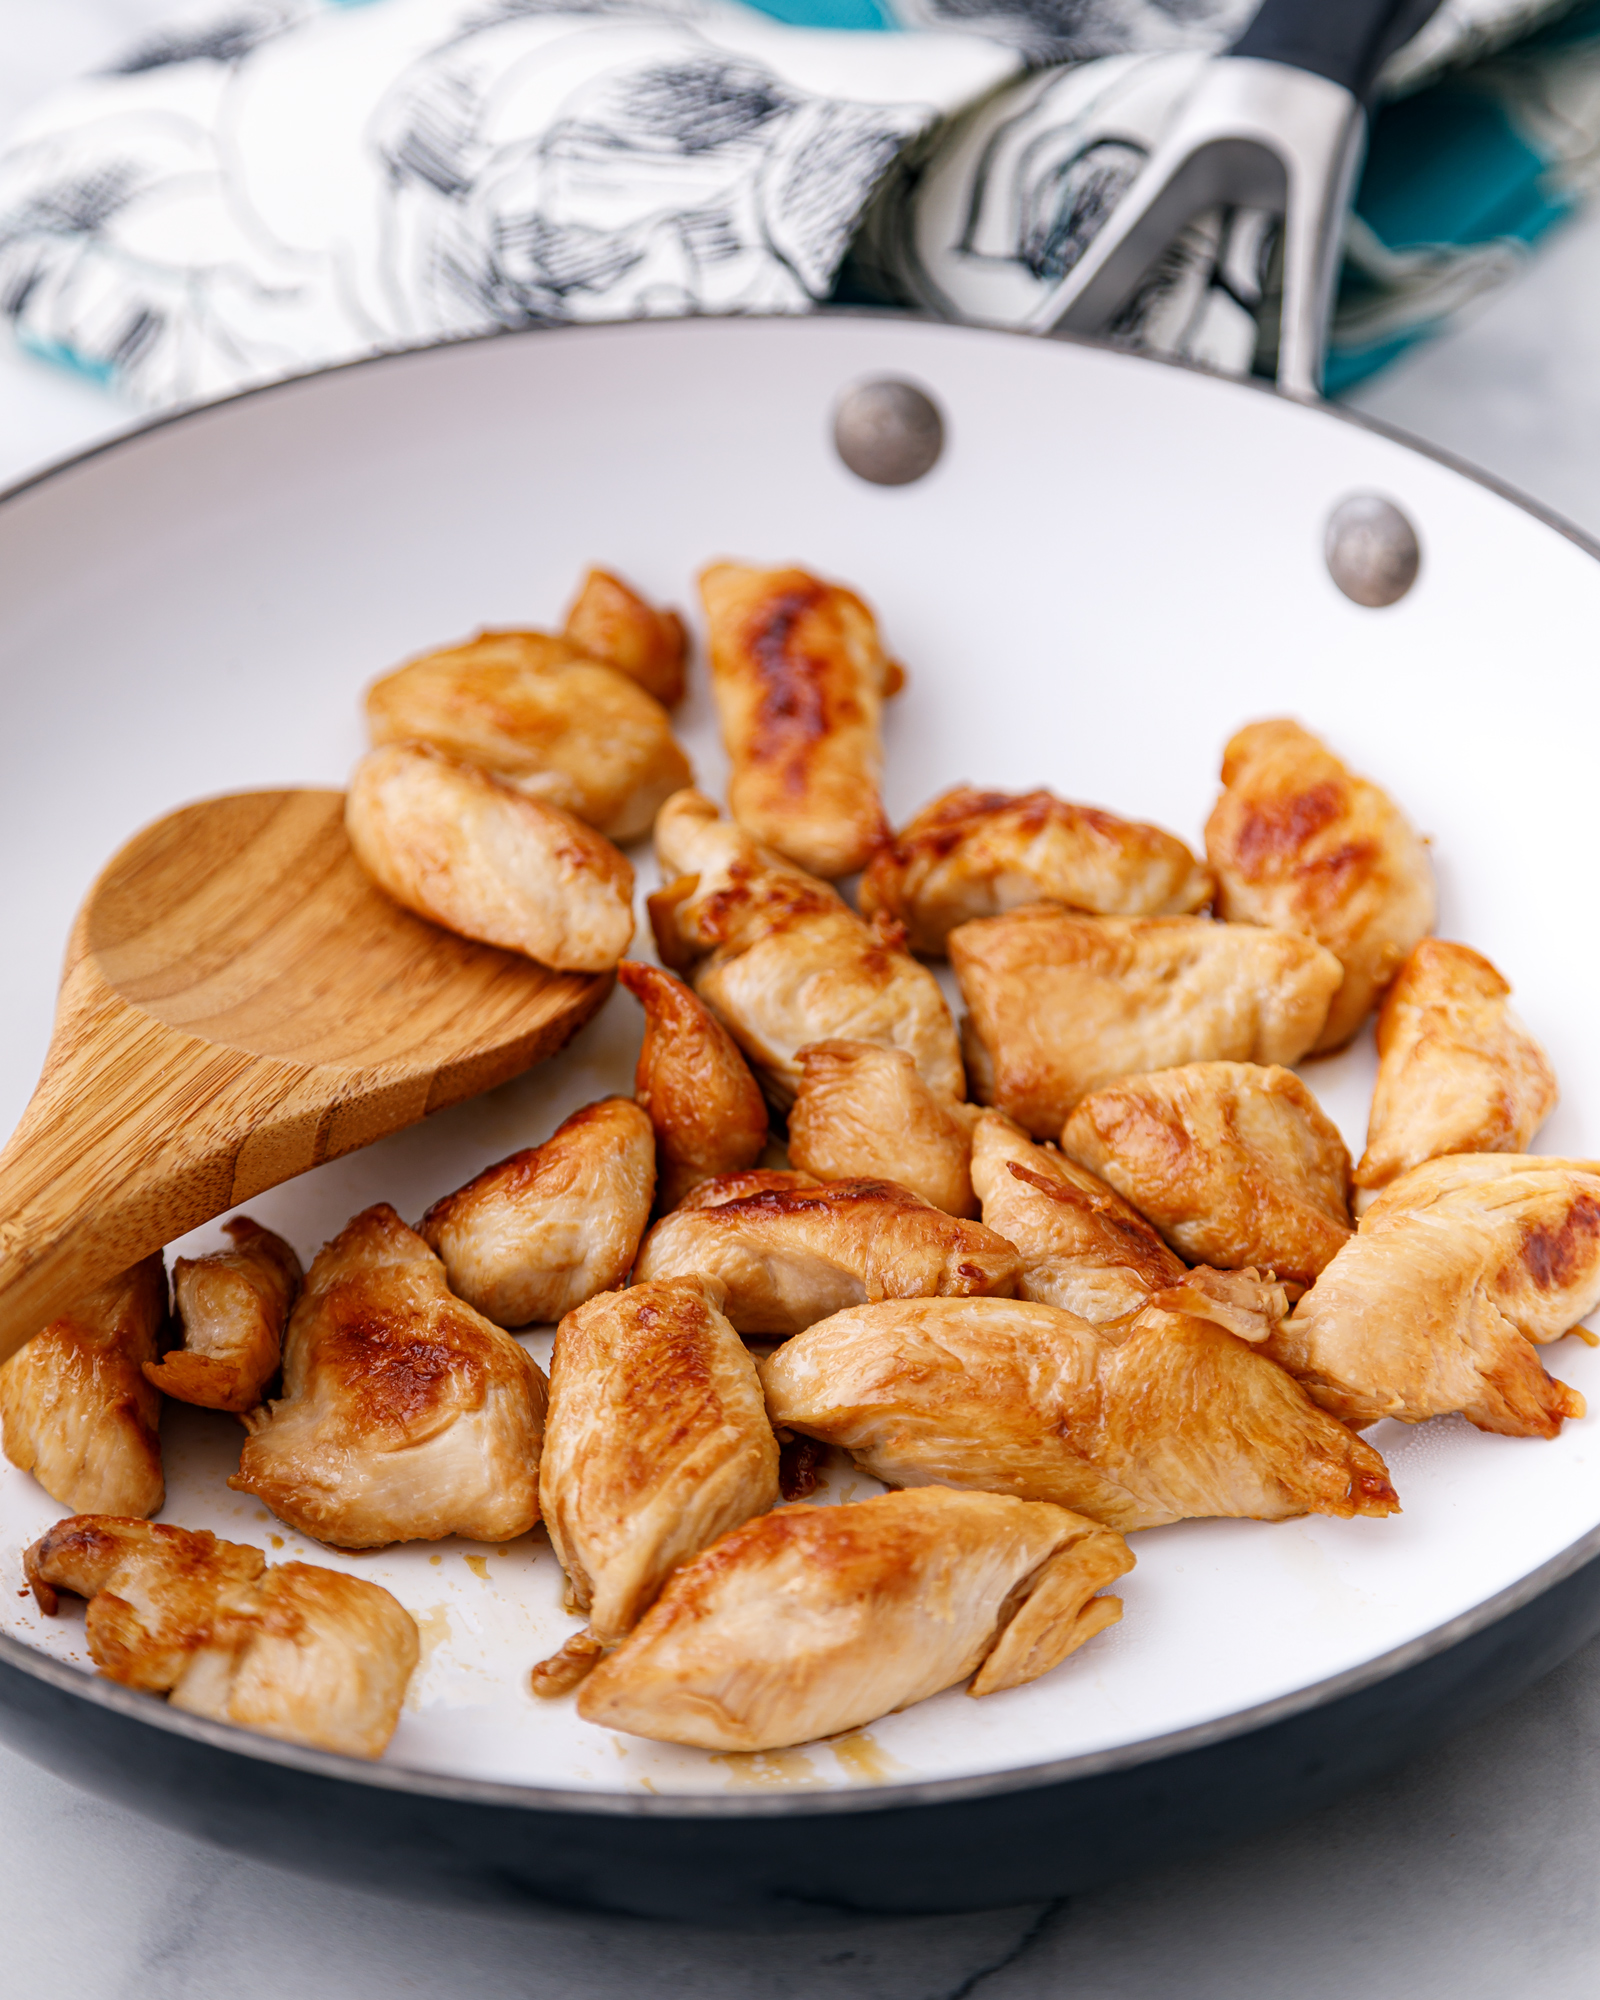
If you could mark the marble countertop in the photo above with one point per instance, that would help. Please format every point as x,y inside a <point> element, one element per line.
<point>1471,1872</point>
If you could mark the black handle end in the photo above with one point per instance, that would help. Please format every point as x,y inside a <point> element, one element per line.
<point>1347,41</point>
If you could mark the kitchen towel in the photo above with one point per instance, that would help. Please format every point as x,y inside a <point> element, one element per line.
<point>268,187</point>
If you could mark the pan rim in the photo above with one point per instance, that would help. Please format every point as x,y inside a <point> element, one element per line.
<point>136,1706</point>
<point>149,1709</point>
<point>827,315</point>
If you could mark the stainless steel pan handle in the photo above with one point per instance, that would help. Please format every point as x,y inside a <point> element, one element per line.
<point>1278,123</point>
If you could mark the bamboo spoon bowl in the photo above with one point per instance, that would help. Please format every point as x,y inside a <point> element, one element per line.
<point>239,1004</point>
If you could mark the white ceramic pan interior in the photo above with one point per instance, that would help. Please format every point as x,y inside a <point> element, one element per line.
<point>1113,566</point>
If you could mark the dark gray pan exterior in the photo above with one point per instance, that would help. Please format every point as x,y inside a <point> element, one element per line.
<point>794,1857</point>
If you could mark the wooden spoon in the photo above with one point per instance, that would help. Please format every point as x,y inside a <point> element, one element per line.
<point>240,1004</point>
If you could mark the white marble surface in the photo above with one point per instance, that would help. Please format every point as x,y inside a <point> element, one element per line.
<point>1472,1872</point>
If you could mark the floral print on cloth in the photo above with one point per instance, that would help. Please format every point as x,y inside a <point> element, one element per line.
<point>268,187</point>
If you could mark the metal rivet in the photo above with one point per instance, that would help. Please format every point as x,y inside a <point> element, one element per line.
<point>1372,550</point>
<point>889,432</point>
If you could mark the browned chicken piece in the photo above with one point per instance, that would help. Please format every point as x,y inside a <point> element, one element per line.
<point>864,1113</point>
<point>794,1255</point>
<point>299,1652</point>
<point>533,1236</point>
<point>540,714</point>
<point>405,1415</point>
<point>1457,1071</point>
<point>800,1462</point>
<point>232,1307</point>
<point>1085,1249</point>
<point>800,677</point>
<point>693,1084</point>
<point>565,1668</point>
<point>468,851</point>
<point>1234,1163</point>
<point>783,961</point>
<point>612,623</point>
<point>812,1620</point>
<point>973,853</point>
<point>1164,1417</point>
<point>656,1443</point>
<point>754,1180</point>
<point>152,1590</point>
<point>1299,842</point>
<point>316,1657</point>
<point>75,1407</point>
<point>1435,1304</point>
<point>1249,1304</point>
<point>1060,1004</point>
<point>1082,1246</point>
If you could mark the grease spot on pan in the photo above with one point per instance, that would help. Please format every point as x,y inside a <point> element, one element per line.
<point>759,1770</point>
<point>433,1631</point>
<point>865,1760</point>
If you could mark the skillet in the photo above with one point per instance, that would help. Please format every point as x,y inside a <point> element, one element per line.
<point>1112,564</point>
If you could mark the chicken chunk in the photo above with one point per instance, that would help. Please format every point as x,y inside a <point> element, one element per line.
<point>754,1180</point>
<point>973,853</point>
<point>468,851</point>
<point>566,1667</point>
<point>614,624</point>
<point>232,1307</point>
<point>1235,1164</point>
<point>783,961</point>
<point>1161,1418</point>
<point>1086,1250</point>
<point>298,1652</point>
<point>533,1236</point>
<point>812,1620</point>
<point>1249,1304</point>
<point>405,1416</point>
<point>1457,1071</point>
<point>542,716</point>
<point>152,1590</point>
<point>693,1084</point>
<point>800,677</point>
<point>1299,842</point>
<point>1060,1004</point>
<point>1436,1303</point>
<point>316,1657</point>
<point>656,1443</point>
<point>75,1407</point>
<point>792,1256</point>
<point>864,1113</point>
<point>1082,1246</point>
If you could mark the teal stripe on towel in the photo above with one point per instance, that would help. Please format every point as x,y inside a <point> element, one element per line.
<point>100,373</point>
<point>863,14</point>
<point>1448,166</point>
<point>1444,167</point>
